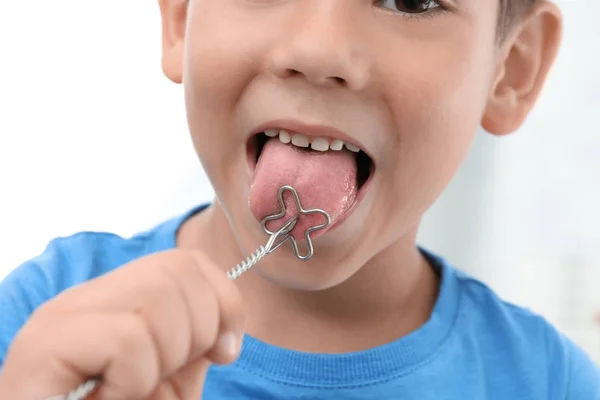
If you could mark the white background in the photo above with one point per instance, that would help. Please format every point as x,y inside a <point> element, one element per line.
<point>93,137</point>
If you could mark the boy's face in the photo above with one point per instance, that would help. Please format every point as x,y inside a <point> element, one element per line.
<point>407,81</point>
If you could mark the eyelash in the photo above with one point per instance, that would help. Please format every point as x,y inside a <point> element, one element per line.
<point>442,8</point>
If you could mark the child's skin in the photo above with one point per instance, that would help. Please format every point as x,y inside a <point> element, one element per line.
<point>411,90</point>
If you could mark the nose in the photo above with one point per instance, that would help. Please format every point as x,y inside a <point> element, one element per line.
<point>320,47</point>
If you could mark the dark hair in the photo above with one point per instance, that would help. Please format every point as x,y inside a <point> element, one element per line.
<point>510,12</point>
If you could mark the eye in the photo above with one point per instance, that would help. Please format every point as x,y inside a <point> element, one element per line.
<point>410,6</point>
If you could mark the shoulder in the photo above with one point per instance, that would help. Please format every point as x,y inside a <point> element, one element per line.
<point>68,261</point>
<point>518,338</point>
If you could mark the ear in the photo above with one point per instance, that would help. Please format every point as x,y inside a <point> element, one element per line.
<point>174,16</point>
<point>527,55</point>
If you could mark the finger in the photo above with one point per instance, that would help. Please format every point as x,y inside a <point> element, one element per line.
<point>170,291</point>
<point>52,359</point>
<point>184,319</point>
<point>231,312</point>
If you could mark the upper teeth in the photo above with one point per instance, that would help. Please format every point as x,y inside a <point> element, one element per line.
<point>315,143</point>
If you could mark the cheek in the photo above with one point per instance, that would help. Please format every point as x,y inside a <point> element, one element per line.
<point>225,47</point>
<point>213,69</point>
<point>436,99</point>
<point>217,68</point>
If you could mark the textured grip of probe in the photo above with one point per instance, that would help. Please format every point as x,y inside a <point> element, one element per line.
<point>248,263</point>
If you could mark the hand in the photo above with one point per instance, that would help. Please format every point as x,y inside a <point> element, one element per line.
<point>150,329</point>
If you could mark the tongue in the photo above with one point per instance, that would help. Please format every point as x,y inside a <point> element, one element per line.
<point>325,180</point>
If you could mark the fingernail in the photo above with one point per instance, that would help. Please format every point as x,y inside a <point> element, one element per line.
<point>229,344</point>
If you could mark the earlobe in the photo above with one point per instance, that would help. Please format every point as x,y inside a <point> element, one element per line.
<point>528,54</point>
<point>174,17</point>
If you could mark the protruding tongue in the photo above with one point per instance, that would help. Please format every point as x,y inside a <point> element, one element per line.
<point>325,180</point>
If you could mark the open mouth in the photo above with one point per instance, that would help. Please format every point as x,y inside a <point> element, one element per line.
<point>340,155</point>
<point>364,164</point>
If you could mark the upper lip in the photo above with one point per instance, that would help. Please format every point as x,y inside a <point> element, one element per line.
<point>311,130</point>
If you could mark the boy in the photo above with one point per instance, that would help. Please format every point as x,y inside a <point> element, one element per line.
<point>388,94</point>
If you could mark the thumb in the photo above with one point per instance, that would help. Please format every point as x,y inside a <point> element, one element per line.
<point>227,348</point>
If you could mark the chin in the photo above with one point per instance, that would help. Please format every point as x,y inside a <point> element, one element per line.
<point>314,276</point>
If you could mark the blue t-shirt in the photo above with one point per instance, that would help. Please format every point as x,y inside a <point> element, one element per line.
<point>474,346</point>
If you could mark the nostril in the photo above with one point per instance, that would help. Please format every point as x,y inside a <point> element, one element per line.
<point>339,80</point>
<point>293,72</point>
<point>324,79</point>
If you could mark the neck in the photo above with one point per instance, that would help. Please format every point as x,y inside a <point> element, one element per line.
<point>389,297</point>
